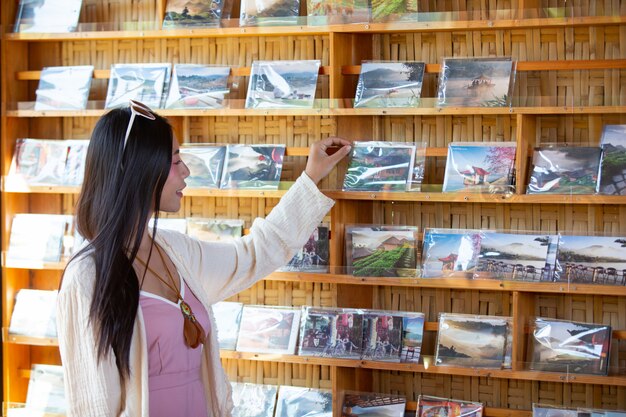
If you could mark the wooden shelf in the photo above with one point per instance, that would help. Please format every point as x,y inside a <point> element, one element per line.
<point>28,340</point>
<point>329,108</point>
<point>430,369</point>
<point>439,25</point>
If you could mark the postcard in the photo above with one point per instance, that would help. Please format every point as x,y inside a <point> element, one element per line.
<point>318,331</point>
<point>268,330</point>
<point>228,317</point>
<point>382,252</point>
<point>513,256</point>
<point>612,169</point>
<point>301,402</point>
<point>592,259</point>
<point>382,336</point>
<point>253,400</point>
<point>205,163</point>
<point>214,230</point>
<point>450,252</point>
<point>38,237</point>
<point>45,162</point>
<point>34,313</point>
<point>412,335</point>
<point>471,340</point>
<point>269,12</point>
<point>348,342</point>
<point>389,84</point>
<point>256,167</point>
<point>428,406</point>
<point>564,170</point>
<point>64,88</point>
<point>373,404</point>
<point>380,166</point>
<point>198,13</point>
<point>198,87</point>
<point>476,82</point>
<point>572,347</point>
<point>279,84</point>
<point>487,167</point>
<point>46,392</point>
<point>338,11</point>
<point>542,410</point>
<point>314,255</point>
<point>142,82</point>
<point>402,10</point>
<point>47,16</point>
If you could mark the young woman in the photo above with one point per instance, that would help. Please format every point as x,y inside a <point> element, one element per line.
<point>136,333</point>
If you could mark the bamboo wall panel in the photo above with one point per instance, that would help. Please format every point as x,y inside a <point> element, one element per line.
<point>513,394</point>
<point>274,373</point>
<point>119,11</point>
<point>296,294</point>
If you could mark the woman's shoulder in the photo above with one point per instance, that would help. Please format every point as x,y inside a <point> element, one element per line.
<point>80,273</point>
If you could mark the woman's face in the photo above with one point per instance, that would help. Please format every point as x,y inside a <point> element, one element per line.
<point>173,188</point>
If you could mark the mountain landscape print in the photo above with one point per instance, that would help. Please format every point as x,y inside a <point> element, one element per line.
<point>513,256</point>
<point>592,259</point>
<point>389,84</point>
<point>613,164</point>
<point>185,13</point>
<point>564,170</point>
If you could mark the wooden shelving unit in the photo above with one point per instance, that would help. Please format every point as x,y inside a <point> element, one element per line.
<point>570,82</point>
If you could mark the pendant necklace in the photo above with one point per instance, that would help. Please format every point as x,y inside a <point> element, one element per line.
<point>192,330</point>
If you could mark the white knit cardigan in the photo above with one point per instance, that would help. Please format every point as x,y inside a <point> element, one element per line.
<point>214,271</point>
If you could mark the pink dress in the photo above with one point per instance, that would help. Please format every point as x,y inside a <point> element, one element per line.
<point>174,369</point>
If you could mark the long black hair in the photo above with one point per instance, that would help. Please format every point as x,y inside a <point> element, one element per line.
<point>121,188</point>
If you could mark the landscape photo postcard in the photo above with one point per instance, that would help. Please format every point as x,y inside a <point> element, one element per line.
<point>572,347</point>
<point>253,400</point>
<point>400,10</point>
<point>34,313</point>
<point>372,404</point>
<point>46,391</point>
<point>64,88</point>
<point>612,166</point>
<point>592,259</point>
<point>205,164</point>
<point>382,336</point>
<point>227,317</point>
<point>564,170</point>
<point>326,12</point>
<point>214,230</point>
<point>37,237</point>
<point>269,12</point>
<point>389,84</point>
<point>542,410</point>
<point>192,13</point>
<point>382,252</point>
<point>476,82</point>
<point>47,16</point>
<point>480,167</point>
<point>280,84</point>
<point>198,87</point>
<point>314,255</point>
<point>450,252</point>
<point>41,162</point>
<point>145,83</point>
<point>511,256</point>
<point>471,341</point>
<point>303,402</point>
<point>412,335</point>
<point>256,167</point>
<point>380,166</point>
<point>268,330</point>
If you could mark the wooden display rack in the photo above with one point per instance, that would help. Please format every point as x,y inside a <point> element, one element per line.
<point>570,82</point>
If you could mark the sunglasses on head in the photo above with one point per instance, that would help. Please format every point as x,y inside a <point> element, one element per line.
<point>137,109</point>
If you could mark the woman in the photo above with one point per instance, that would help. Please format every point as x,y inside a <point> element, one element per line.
<point>136,333</point>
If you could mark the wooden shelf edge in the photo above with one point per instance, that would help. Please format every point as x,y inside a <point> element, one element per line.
<point>431,369</point>
<point>28,340</point>
<point>328,109</point>
<point>302,29</point>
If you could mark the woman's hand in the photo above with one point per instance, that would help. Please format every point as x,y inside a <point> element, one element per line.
<point>321,161</point>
